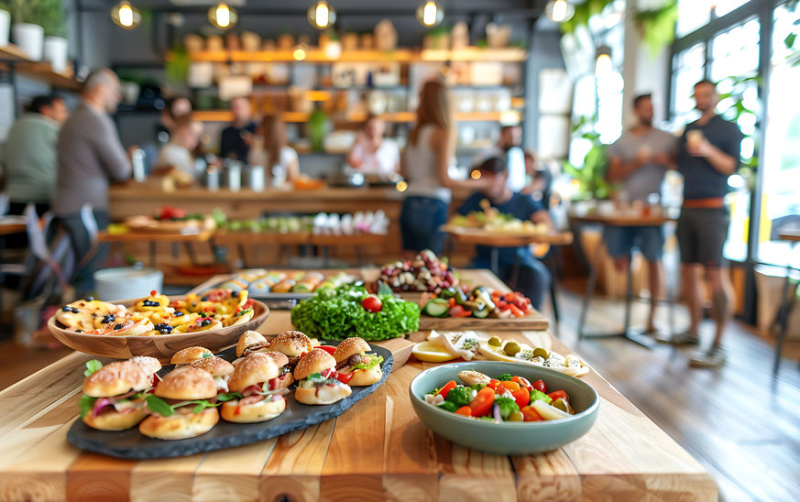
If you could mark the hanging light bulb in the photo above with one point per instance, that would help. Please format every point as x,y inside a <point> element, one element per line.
<point>559,11</point>
<point>321,15</point>
<point>126,15</point>
<point>429,13</point>
<point>603,65</point>
<point>222,16</point>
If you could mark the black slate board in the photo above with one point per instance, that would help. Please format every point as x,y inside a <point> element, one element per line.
<point>130,444</point>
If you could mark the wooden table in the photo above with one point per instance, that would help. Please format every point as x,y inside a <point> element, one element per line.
<point>153,237</point>
<point>787,301</point>
<point>618,220</point>
<point>377,450</point>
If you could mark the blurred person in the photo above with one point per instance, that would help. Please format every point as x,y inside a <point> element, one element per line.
<point>533,279</point>
<point>174,108</point>
<point>271,150</point>
<point>236,138</point>
<point>538,180</point>
<point>179,152</point>
<point>508,147</point>
<point>638,162</point>
<point>708,153</point>
<point>372,153</point>
<point>90,158</point>
<point>30,160</point>
<point>424,164</point>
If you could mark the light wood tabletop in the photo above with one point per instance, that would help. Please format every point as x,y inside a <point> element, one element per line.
<point>481,237</point>
<point>622,220</point>
<point>12,228</point>
<point>376,450</point>
<point>202,236</point>
<point>793,236</point>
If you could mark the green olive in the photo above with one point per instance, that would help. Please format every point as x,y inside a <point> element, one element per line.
<point>511,348</point>
<point>541,352</point>
<point>495,341</point>
<point>515,417</point>
<point>563,405</point>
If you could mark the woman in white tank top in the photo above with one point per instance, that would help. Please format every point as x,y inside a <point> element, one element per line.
<point>425,162</point>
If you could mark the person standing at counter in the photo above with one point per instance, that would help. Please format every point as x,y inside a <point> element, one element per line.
<point>372,154</point>
<point>178,153</point>
<point>90,157</point>
<point>29,155</point>
<point>638,161</point>
<point>425,164</point>
<point>708,153</point>
<point>271,150</point>
<point>237,137</point>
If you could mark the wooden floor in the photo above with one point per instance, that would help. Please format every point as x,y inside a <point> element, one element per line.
<point>742,425</point>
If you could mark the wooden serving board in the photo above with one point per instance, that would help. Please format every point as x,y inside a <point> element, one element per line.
<point>533,321</point>
<point>378,451</point>
<point>480,236</point>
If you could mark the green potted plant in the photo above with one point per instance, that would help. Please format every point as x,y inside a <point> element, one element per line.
<point>28,35</point>
<point>5,23</point>
<point>50,14</point>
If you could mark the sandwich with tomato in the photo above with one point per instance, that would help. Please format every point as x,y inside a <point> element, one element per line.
<point>219,369</point>
<point>113,395</point>
<point>253,397</point>
<point>182,406</point>
<point>354,366</point>
<point>293,344</point>
<point>316,374</point>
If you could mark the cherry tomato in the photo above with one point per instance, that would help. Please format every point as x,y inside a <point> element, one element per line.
<point>459,311</point>
<point>327,348</point>
<point>523,382</point>
<point>372,303</point>
<point>540,386</point>
<point>493,384</point>
<point>530,414</point>
<point>482,404</point>
<point>464,410</point>
<point>558,394</point>
<point>522,397</point>
<point>446,389</point>
<point>345,377</point>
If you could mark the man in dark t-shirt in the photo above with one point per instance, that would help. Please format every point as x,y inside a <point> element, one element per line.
<point>708,153</point>
<point>237,137</point>
<point>534,278</point>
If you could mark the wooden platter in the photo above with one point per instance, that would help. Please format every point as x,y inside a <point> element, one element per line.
<point>130,444</point>
<point>623,220</point>
<point>481,237</point>
<point>160,346</point>
<point>534,321</point>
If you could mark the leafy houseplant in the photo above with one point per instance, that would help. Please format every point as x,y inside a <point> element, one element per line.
<point>657,26</point>
<point>591,175</point>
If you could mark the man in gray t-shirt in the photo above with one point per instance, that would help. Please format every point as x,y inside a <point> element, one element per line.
<point>638,162</point>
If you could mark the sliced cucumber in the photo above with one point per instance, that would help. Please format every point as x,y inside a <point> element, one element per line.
<point>481,313</point>
<point>438,307</point>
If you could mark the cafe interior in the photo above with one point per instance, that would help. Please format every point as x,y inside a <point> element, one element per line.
<point>332,250</point>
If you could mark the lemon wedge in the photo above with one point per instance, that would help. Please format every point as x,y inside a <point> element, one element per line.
<point>431,352</point>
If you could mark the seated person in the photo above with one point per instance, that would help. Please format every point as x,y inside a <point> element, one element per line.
<point>373,154</point>
<point>534,279</point>
<point>177,154</point>
<point>271,150</point>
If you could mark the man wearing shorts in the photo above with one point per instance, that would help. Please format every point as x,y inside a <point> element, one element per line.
<point>638,162</point>
<point>708,153</point>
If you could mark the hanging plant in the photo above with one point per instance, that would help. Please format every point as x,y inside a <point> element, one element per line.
<point>583,12</point>
<point>591,174</point>
<point>176,65</point>
<point>657,26</point>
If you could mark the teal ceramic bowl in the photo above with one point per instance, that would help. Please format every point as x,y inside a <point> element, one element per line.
<point>508,438</point>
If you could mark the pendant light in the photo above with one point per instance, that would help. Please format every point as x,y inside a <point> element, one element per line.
<point>222,16</point>
<point>321,15</point>
<point>559,11</point>
<point>604,66</point>
<point>430,13</point>
<point>126,15</point>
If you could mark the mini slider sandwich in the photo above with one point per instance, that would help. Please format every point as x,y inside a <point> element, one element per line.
<point>252,397</point>
<point>250,341</point>
<point>182,405</point>
<point>189,354</point>
<point>220,369</point>
<point>293,344</point>
<point>113,395</point>
<point>317,376</point>
<point>354,366</point>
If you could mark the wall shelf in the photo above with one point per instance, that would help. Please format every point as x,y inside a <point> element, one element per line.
<point>36,70</point>
<point>397,117</point>
<point>318,56</point>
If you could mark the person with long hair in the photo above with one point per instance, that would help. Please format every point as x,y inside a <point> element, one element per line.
<point>271,149</point>
<point>425,163</point>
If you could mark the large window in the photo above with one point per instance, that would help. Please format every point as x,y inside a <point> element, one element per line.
<point>688,68</point>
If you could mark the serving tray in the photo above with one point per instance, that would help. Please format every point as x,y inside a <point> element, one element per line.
<point>130,444</point>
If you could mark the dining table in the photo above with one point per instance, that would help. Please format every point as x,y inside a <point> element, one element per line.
<point>377,450</point>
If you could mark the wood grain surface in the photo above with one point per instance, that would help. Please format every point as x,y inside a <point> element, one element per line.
<point>621,220</point>
<point>378,450</point>
<point>142,236</point>
<point>479,236</point>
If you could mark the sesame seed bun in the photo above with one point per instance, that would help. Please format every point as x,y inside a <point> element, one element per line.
<point>350,347</point>
<point>181,425</point>
<point>278,358</point>
<point>250,339</point>
<point>327,394</point>
<point>261,411</point>
<point>292,343</point>
<point>189,354</point>
<point>150,365</point>
<point>187,383</point>
<point>254,369</point>
<point>315,361</point>
<point>215,366</point>
<point>116,378</point>
<point>116,421</point>
<point>364,378</point>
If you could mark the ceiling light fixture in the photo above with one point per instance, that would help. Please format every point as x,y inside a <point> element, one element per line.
<point>222,16</point>
<point>321,15</point>
<point>559,11</point>
<point>126,15</point>
<point>430,13</point>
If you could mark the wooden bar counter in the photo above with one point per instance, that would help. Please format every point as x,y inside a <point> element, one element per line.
<point>377,450</point>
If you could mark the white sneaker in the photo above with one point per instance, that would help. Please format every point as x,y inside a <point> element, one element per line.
<point>711,358</point>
